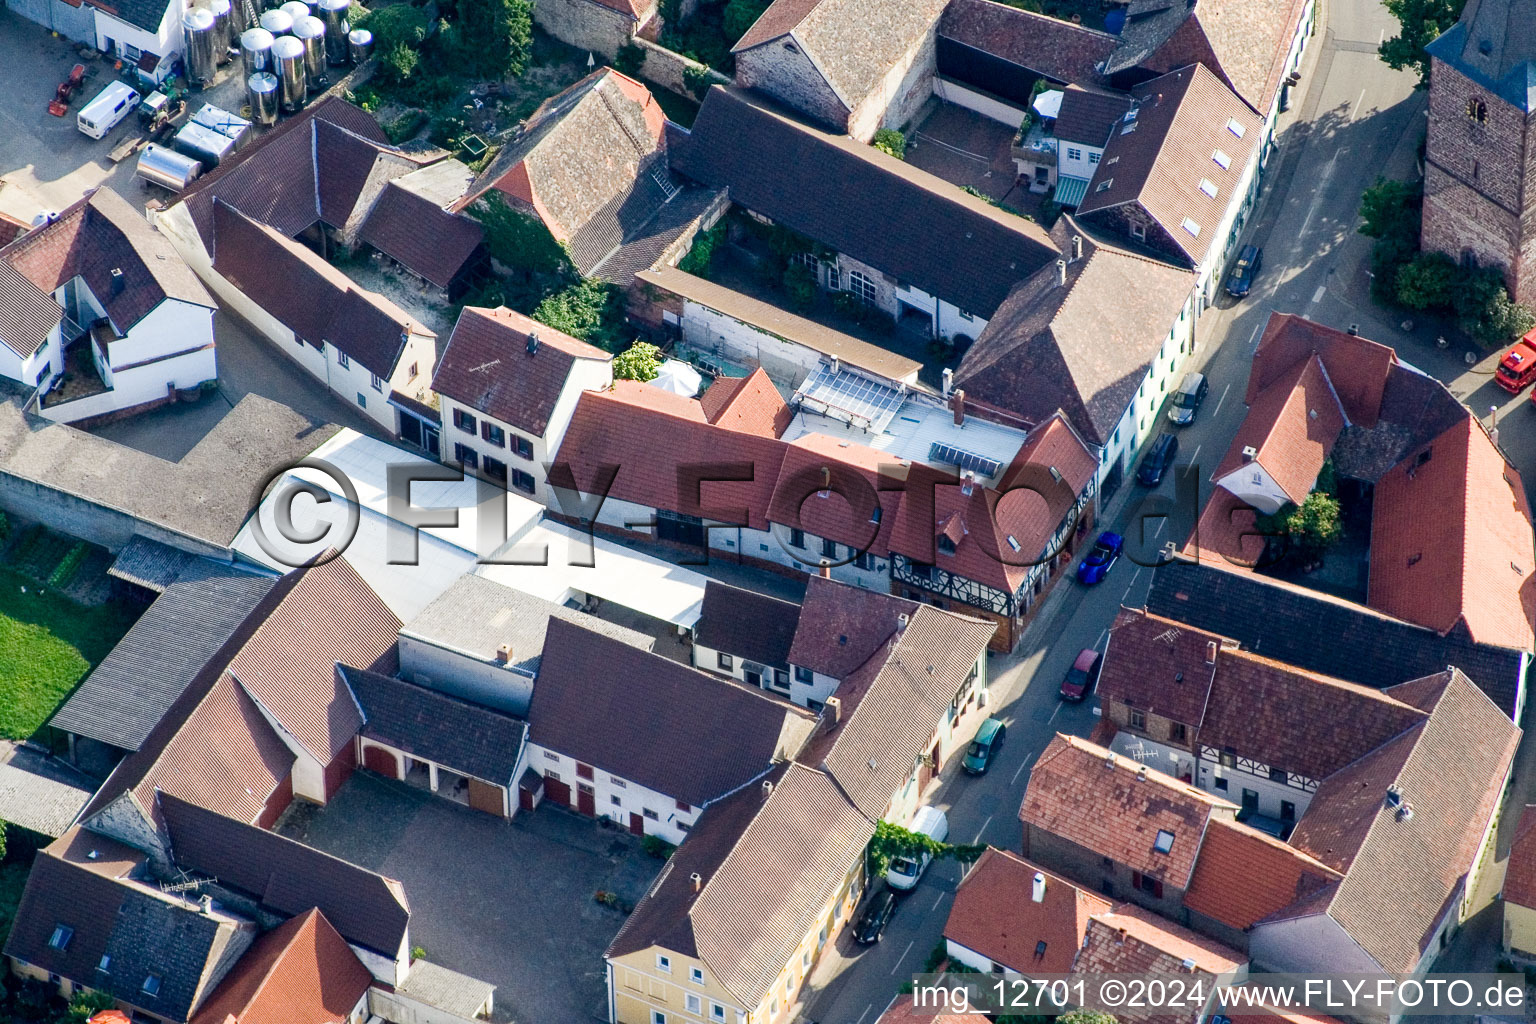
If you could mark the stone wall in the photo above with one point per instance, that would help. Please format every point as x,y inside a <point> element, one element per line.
<point>586,24</point>
<point>89,521</point>
<point>665,68</point>
<point>780,69</point>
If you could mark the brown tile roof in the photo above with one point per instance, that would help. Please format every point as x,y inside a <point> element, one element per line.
<point>636,715</point>
<point>1451,541</point>
<point>750,404</point>
<point>420,235</point>
<point>1088,115</point>
<point>832,488</point>
<point>1402,868</point>
<point>1083,348</point>
<point>97,235</point>
<point>1242,876</point>
<point>994,914</point>
<point>1048,46</point>
<point>747,624</point>
<point>1244,44</point>
<point>1358,369</point>
<point>1292,425</point>
<point>487,366</point>
<point>1520,872</point>
<point>1181,121</point>
<point>1132,940</point>
<point>887,213</point>
<point>287,877</point>
<point>782,323</point>
<point>1108,805</point>
<point>854,44</point>
<point>842,626</point>
<point>769,861</point>
<point>904,1010</point>
<point>1159,666</point>
<point>302,970</point>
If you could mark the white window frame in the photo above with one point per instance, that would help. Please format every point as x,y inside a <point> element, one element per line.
<point>716,1012</point>
<point>863,288</point>
<point>696,975</point>
<point>342,359</point>
<point>663,963</point>
<point>693,1004</point>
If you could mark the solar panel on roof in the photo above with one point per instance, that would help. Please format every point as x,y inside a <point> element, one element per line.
<point>953,456</point>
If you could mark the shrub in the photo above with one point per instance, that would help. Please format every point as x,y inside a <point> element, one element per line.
<point>890,142</point>
<point>518,241</point>
<point>69,565</point>
<point>405,126</point>
<point>800,286</point>
<point>1087,1017</point>
<point>630,60</point>
<point>1313,526</point>
<point>1392,211</point>
<point>657,847</point>
<point>418,952</point>
<point>1484,310</point>
<point>702,253</point>
<point>85,1005</point>
<point>740,16</point>
<point>399,62</point>
<point>589,310</point>
<point>1428,281</point>
<point>697,81</point>
<point>642,362</point>
<point>447,130</point>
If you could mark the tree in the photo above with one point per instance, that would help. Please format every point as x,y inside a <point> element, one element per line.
<point>1391,208</point>
<point>630,60</point>
<point>493,38</point>
<point>890,142</point>
<point>1087,1017</point>
<point>740,16</point>
<point>85,1005</point>
<point>1422,23</point>
<point>1428,281</point>
<point>589,310</point>
<point>1484,310</point>
<point>641,361</point>
<point>2,839</point>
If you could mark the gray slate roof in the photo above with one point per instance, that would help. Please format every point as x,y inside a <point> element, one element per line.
<point>747,624</point>
<point>136,684</point>
<point>144,14</point>
<point>1494,44</point>
<point>457,734</point>
<point>476,616</point>
<point>40,793</point>
<point>149,564</point>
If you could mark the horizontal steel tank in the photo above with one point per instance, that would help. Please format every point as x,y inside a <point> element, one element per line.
<point>202,45</point>
<point>277,22</point>
<point>334,14</point>
<point>288,55</point>
<point>256,50</point>
<point>167,168</point>
<point>261,90</point>
<point>310,31</point>
<point>203,144</point>
<point>223,28</point>
<point>360,45</point>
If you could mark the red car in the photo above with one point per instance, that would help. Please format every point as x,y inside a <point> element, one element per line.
<point>1518,367</point>
<point>1082,676</point>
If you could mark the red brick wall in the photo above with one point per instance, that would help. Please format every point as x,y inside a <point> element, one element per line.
<point>340,769</point>
<point>278,802</point>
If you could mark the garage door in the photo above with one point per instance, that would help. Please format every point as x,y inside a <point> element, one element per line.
<point>77,23</point>
<point>485,797</point>
<point>377,759</point>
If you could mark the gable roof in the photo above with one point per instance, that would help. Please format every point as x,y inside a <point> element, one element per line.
<point>887,213</point>
<point>1159,666</point>
<point>126,695</point>
<point>1110,806</point>
<point>636,715</point>
<point>1520,871</point>
<point>1048,46</point>
<point>852,43</point>
<point>838,490</point>
<point>145,14</point>
<point>487,366</point>
<point>995,914</point>
<point>1133,940</point>
<point>1359,370</point>
<point>99,234</point>
<point>769,858</point>
<point>1088,115</point>
<point>302,970</point>
<point>751,404</point>
<point>842,626</point>
<point>1291,426</point>
<point>288,878</point>
<point>468,738</point>
<point>1242,876</point>
<point>420,235</point>
<point>1182,119</point>
<point>747,624</point>
<point>1083,347</point>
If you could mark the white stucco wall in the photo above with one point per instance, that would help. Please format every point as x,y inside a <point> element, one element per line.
<point>464,675</point>
<point>618,798</point>
<point>113,34</point>
<point>1252,483</point>
<point>786,362</point>
<point>987,106</point>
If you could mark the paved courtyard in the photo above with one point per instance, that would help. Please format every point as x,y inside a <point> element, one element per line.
<point>510,903</point>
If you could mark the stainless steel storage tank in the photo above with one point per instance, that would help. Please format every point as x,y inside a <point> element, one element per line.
<point>360,45</point>
<point>256,50</point>
<point>334,14</point>
<point>261,88</point>
<point>166,167</point>
<point>277,22</point>
<point>296,9</point>
<point>202,44</point>
<point>224,122</point>
<point>223,27</point>
<point>288,55</point>
<point>310,31</point>
<point>203,144</point>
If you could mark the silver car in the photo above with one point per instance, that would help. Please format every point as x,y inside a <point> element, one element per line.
<point>1187,399</point>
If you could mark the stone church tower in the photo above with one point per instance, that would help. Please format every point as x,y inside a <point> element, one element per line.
<point>1480,166</point>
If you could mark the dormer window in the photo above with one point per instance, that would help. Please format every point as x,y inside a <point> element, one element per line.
<point>1477,111</point>
<point>151,986</point>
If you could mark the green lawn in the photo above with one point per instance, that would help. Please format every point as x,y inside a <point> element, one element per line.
<point>47,645</point>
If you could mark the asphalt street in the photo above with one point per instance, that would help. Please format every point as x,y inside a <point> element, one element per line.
<point>1356,119</point>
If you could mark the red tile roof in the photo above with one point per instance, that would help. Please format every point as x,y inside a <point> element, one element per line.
<point>831,489</point>
<point>750,404</point>
<point>1159,666</point>
<point>1110,806</point>
<point>420,235</point>
<point>904,1010</point>
<point>995,914</point>
<point>1242,876</point>
<point>1131,940</point>
<point>300,971</point>
<point>1520,872</point>
<point>487,366</point>
<point>1357,368</point>
<point>1049,46</point>
<point>1293,425</point>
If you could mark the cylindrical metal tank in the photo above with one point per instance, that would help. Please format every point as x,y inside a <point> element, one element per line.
<point>202,46</point>
<point>223,27</point>
<point>277,22</point>
<point>256,50</point>
<point>310,31</point>
<point>288,55</point>
<point>296,9</point>
<point>261,89</point>
<point>334,14</point>
<point>166,167</point>
<point>360,45</point>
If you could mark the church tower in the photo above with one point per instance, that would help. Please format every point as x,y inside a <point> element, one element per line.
<point>1480,161</point>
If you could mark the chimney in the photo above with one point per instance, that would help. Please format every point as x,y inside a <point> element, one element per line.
<point>504,654</point>
<point>967,483</point>
<point>1141,774</point>
<point>767,787</point>
<point>117,281</point>
<point>837,364</point>
<point>205,903</point>
<point>949,381</point>
<point>1038,893</point>
<point>1120,939</point>
<point>957,403</point>
<point>901,621</point>
<point>834,709</point>
<point>1061,272</point>
<point>1210,653</point>
<point>1077,247</point>
<point>1250,453</point>
<point>697,880</point>
<point>1394,796</point>
<point>533,342</point>
<point>825,571</point>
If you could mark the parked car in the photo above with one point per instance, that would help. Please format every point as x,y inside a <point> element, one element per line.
<point>1240,281</point>
<point>1101,558</point>
<point>1159,460</point>
<point>988,741</point>
<point>1518,367</point>
<point>879,908</point>
<point>905,872</point>
<point>1187,399</point>
<point>1082,676</point>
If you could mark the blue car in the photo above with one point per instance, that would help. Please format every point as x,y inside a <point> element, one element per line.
<point>1105,553</point>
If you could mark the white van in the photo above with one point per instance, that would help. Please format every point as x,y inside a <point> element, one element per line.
<point>106,109</point>
<point>906,872</point>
